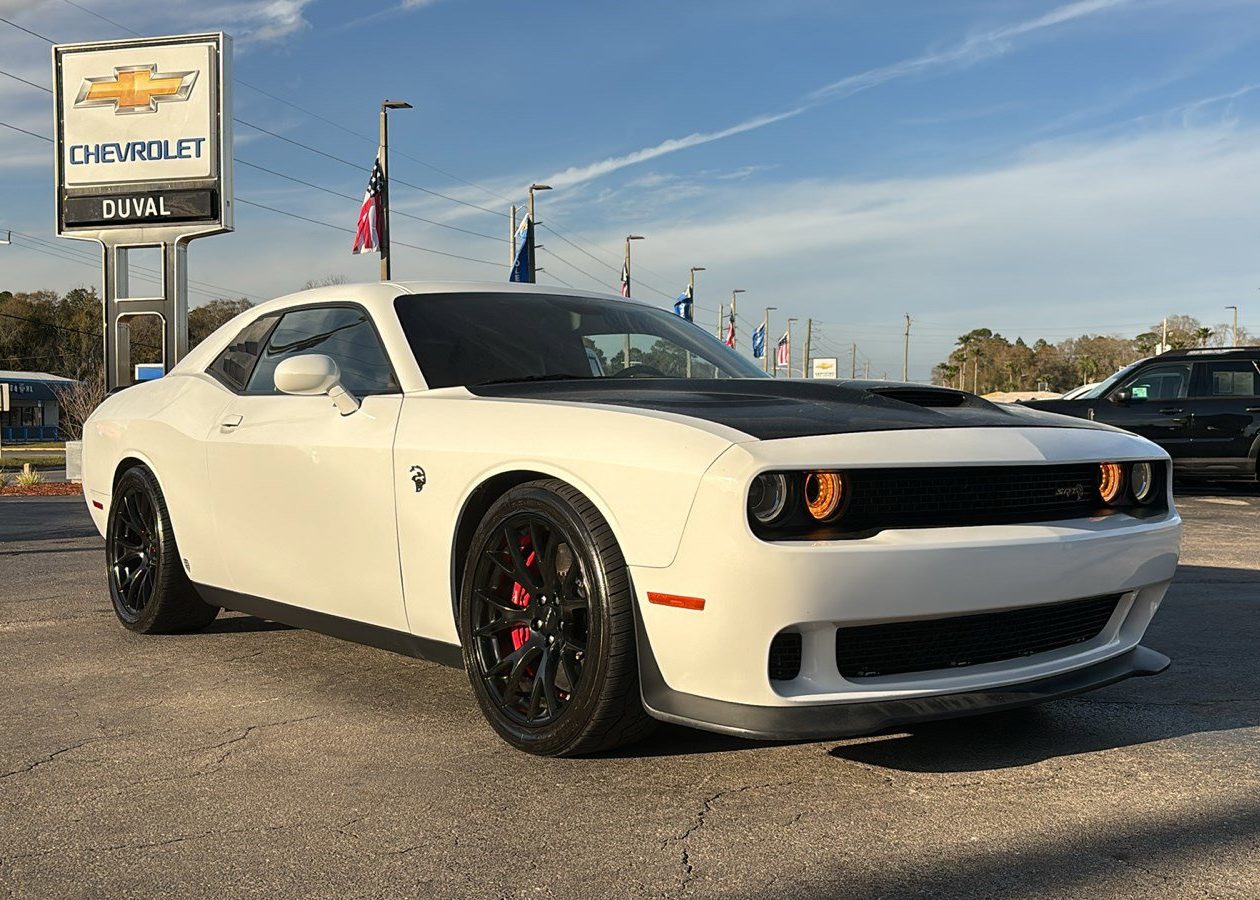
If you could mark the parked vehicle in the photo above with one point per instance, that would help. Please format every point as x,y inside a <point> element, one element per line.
<point>1202,406</point>
<point>608,518</point>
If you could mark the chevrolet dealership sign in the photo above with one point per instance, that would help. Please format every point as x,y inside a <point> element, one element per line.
<point>143,134</point>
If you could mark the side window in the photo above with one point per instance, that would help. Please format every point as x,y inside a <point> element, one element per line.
<point>233,365</point>
<point>1239,378</point>
<point>1167,382</point>
<point>342,332</point>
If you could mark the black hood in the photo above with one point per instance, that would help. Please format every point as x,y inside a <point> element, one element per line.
<point>769,408</point>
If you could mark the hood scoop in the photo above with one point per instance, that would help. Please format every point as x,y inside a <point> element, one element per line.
<point>931,398</point>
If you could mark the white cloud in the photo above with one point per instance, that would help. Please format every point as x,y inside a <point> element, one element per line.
<point>972,50</point>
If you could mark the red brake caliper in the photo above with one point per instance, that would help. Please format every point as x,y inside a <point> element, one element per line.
<point>520,597</point>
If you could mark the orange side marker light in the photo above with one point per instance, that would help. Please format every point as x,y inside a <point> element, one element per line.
<point>676,601</point>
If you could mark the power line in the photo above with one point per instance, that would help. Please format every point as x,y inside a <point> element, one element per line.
<point>42,137</point>
<point>293,215</point>
<point>27,30</point>
<point>393,180</point>
<point>397,212</point>
<point>24,81</point>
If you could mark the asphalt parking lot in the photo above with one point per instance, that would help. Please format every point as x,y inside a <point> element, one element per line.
<point>256,760</point>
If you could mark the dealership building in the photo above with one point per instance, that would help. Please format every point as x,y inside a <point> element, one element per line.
<point>33,412</point>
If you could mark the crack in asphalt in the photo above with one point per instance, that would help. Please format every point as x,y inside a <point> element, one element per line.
<point>230,744</point>
<point>701,819</point>
<point>31,766</point>
<point>147,845</point>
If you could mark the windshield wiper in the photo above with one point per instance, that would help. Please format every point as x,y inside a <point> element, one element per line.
<point>558,376</point>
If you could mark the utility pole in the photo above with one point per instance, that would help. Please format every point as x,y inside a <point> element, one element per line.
<point>512,239</point>
<point>1235,338</point>
<point>905,353</point>
<point>721,310</point>
<point>530,232</point>
<point>866,370</point>
<point>765,339</point>
<point>733,325</point>
<point>1163,341</point>
<point>626,288</point>
<point>789,347</point>
<point>853,362</point>
<point>386,105</point>
<point>809,336</point>
<point>975,374</point>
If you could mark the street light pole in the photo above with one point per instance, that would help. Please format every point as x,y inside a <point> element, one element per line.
<point>905,355</point>
<point>1235,338</point>
<point>533,225</point>
<point>386,106</point>
<point>765,340</point>
<point>809,336</point>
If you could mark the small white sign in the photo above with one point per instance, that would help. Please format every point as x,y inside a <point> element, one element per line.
<point>824,367</point>
<point>4,397</point>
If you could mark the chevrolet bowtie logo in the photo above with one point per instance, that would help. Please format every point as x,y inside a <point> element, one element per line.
<point>135,89</point>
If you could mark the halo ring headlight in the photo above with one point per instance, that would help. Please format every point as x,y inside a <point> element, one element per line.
<point>824,495</point>
<point>1142,482</point>
<point>767,498</point>
<point>1110,481</point>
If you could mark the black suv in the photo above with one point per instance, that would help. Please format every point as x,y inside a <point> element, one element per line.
<point>1202,406</point>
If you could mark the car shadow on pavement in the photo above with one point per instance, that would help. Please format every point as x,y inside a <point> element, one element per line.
<point>242,624</point>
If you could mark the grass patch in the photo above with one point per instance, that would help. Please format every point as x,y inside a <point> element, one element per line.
<point>17,460</point>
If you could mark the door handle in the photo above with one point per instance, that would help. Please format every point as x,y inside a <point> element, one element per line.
<point>1253,409</point>
<point>230,422</point>
<point>1170,410</point>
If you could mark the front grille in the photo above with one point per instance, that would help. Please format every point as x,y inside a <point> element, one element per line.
<point>868,651</point>
<point>969,495</point>
<point>785,656</point>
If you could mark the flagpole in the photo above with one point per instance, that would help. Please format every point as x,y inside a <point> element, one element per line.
<point>626,272</point>
<point>733,314</point>
<point>789,351</point>
<point>691,299</point>
<point>765,340</point>
<point>386,106</point>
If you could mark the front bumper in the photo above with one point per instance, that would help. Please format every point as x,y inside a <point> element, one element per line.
<point>754,590</point>
<point>842,720</point>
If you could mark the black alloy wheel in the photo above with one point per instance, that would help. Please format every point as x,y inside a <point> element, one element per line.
<point>148,587</point>
<point>547,624</point>
<point>532,611</point>
<point>134,549</point>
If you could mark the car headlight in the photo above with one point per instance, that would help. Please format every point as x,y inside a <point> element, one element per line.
<point>768,497</point>
<point>1110,481</point>
<point>1142,482</point>
<point>824,495</point>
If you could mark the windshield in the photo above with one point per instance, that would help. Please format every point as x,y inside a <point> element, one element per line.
<point>1102,388</point>
<point>470,339</point>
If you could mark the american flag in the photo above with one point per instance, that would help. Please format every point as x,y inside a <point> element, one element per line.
<point>783,353</point>
<point>730,331</point>
<point>625,279</point>
<point>367,234</point>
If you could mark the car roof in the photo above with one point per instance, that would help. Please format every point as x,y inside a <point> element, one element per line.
<point>1211,352</point>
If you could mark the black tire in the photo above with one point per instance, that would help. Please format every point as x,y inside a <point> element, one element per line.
<point>147,585</point>
<point>572,640</point>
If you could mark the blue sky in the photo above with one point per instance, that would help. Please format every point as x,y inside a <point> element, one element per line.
<point>1041,168</point>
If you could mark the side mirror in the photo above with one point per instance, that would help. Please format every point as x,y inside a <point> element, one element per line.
<point>311,375</point>
<point>1124,397</point>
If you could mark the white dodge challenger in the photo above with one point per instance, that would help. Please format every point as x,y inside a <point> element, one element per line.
<point>608,518</point>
